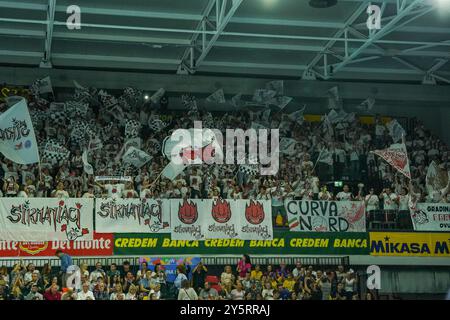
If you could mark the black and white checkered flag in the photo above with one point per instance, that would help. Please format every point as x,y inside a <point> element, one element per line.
<point>249,169</point>
<point>52,150</point>
<point>81,132</point>
<point>76,109</point>
<point>108,101</point>
<point>132,128</point>
<point>190,102</point>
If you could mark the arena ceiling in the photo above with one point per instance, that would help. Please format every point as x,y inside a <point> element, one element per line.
<point>270,38</point>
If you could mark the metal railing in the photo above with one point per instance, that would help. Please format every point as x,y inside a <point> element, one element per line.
<point>213,261</point>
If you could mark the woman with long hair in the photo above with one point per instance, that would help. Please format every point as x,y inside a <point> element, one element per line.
<point>244,266</point>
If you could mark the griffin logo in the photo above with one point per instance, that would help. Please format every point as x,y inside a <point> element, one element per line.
<point>187,213</point>
<point>221,211</point>
<point>254,212</point>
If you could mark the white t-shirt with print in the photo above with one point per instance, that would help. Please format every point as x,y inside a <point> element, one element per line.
<point>389,201</point>
<point>115,190</point>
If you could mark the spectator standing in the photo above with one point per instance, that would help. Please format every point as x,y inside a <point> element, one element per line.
<point>199,276</point>
<point>66,262</point>
<point>243,266</point>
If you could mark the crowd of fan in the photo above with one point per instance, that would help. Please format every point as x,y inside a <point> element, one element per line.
<point>244,282</point>
<point>299,176</point>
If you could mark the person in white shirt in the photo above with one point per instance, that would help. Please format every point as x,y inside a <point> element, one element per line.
<point>85,293</point>
<point>129,191</point>
<point>114,191</point>
<point>390,204</point>
<point>390,199</point>
<point>60,192</point>
<point>371,201</point>
<point>404,216</point>
<point>89,193</point>
<point>97,273</point>
<point>345,194</point>
<point>325,195</point>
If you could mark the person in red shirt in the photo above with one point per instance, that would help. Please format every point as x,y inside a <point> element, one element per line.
<point>244,265</point>
<point>53,293</point>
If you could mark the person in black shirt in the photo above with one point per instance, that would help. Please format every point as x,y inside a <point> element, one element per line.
<point>199,276</point>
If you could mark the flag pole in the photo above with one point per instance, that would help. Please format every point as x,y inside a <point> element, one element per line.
<point>317,161</point>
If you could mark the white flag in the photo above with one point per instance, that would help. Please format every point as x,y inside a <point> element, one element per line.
<point>334,100</point>
<point>367,105</point>
<point>277,86</point>
<point>44,85</point>
<point>257,126</point>
<point>87,166</point>
<point>297,116</point>
<point>287,146</point>
<point>202,146</point>
<point>326,157</point>
<point>236,101</point>
<point>136,157</point>
<point>263,96</point>
<point>396,131</point>
<point>17,137</point>
<point>157,96</point>
<point>172,170</point>
<point>281,102</point>
<point>217,97</point>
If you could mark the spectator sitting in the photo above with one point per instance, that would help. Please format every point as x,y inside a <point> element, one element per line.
<point>85,293</point>
<point>52,293</point>
<point>186,292</point>
<point>257,273</point>
<point>34,294</point>
<point>208,293</point>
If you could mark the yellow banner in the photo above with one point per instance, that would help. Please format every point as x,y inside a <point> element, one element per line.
<point>409,244</point>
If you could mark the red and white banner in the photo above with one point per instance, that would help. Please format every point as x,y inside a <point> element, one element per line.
<point>187,219</point>
<point>101,245</point>
<point>193,219</point>
<point>326,216</point>
<point>41,219</point>
<point>132,215</point>
<point>431,216</point>
<point>397,157</point>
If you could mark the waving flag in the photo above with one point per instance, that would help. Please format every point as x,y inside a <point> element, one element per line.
<point>217,97</point>
<point>396,131</point>
<point>136,157</point>
<point>297,116</point>
<point>397,157</point>
<point>86,165</point>
<point>17,138</point>
<point>201,146</point>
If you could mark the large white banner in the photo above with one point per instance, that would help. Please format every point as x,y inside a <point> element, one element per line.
<point>132,215</point>
<point>326,216</point>
<point>187,218</point>
<point>46,219</point>
<point>256,219</point>
<point>431,217</point>
<point>222,219</point>
<point>17,138</point>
